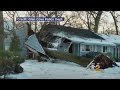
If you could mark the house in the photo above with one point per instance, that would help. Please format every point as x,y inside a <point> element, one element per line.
<point>78,41</point>
<point>72,40</point>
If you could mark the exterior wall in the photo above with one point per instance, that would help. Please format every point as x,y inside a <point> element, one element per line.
<point>98,48</point>
<point>79,49</point>
<point>117,52</point>
<point>75,49</point>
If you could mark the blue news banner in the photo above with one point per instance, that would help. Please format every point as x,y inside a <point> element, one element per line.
<point>39,18</point>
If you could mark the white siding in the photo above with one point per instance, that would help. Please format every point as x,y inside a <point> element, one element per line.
<point>99,48</point>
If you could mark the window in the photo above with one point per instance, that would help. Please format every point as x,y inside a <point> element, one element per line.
<point>105,48</point>
<point>66,41</point>
<point>87,48</point>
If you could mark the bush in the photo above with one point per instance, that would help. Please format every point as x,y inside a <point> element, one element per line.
<point>8,61</point>
<point>6,67</point>
<point>91,54</point>
<point>18,59</point>
<point>116,59</point>
<point>18,69</point>
<point>6,54</point>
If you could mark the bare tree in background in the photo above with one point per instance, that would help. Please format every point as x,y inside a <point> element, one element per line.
<point>29,14</point>
<point>97,20</point>
<point>90,19</point>
<point>1,31</point>
<point>36,24</point>
<point>51,14</point>
<point>96,15</point>
<point>115,18</point>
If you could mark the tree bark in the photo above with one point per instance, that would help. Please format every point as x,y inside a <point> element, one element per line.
<point>68,57</point>
<point>115,22</point>
<point>88,22</point>
<point>36,14</point>
<point>97,20</point>
<point>1,31</point>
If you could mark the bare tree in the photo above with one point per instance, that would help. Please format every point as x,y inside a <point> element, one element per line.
<point>113,13</point>
<point>96,15</point>
<point>29,14</point>
<point>51,14</point>
<point>90,19</point>
<point>97,20</point>
<point>36,24</point>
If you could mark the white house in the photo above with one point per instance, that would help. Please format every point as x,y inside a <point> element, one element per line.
<point>80,41</point>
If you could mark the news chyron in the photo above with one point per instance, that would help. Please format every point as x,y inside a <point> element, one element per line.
<point>39,18</point>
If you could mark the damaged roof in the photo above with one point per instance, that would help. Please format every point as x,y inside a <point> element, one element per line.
<point>70,31</point>
<point>33,44</point>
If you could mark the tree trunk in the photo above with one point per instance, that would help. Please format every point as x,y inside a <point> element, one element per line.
<point>115,22</point>
<point>88,22</point>
<point>56,16</point>
<point>68,57</point>
<point>97,20</point>
<point>35,21</point>
<point>1,31</point>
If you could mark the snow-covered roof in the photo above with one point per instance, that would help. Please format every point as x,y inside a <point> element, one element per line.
<point>111,38</point>
<point>70,31</point>
<point>83,39</point>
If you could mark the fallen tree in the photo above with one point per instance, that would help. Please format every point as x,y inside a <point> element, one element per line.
<point>104,61</point>
<point>83,61</point>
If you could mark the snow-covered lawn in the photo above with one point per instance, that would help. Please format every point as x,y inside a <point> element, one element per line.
<point>63,70</point>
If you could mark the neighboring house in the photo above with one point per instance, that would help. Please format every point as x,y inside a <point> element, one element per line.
<point>7,30</point>
<point>21,32</point>
<point>77,41</point>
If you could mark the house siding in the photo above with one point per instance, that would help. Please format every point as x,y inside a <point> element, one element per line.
<point>79,49</point>
<point>76,49</point>
<point>22,34</point>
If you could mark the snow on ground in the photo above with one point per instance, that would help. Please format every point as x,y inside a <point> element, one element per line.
<point>63,70</point>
